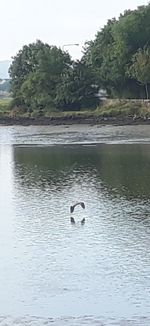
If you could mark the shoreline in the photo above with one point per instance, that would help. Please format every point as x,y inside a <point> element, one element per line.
<point>41,121</point>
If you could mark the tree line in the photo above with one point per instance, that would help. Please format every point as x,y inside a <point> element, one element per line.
<point>117,60</point>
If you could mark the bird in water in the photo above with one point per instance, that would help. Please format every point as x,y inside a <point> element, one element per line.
<point>72,220</point>
<point>83,221</point>
<point>73,207</point>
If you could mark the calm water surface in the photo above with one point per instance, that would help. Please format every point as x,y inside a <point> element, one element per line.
<point>52,272</point>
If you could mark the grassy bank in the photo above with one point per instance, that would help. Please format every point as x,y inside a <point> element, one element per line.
<point>108,110</point>
<point>125,108</point>
<point>5,107</point>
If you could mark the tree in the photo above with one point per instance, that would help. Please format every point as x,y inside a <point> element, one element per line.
<point>78,89</point>
<point>35,73</point>
<point>140,68</point>
<point>111,52</point>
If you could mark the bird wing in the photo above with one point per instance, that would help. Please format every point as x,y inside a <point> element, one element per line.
<point>82,205</point>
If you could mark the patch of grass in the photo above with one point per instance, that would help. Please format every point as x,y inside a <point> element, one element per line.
<point>4,107</point>
<point>114,108</point>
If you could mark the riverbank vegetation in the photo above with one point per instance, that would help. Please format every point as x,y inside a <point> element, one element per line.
<point>120,53</point>
<point>112,111</point>
<point>45,81</point>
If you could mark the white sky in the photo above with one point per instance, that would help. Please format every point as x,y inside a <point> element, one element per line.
<point>57,22</point>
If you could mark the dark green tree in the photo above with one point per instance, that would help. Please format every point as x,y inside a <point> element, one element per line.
<point>35,73</point>
<point>78,89</point>
<point>111,52</point>
<point>140,68</point>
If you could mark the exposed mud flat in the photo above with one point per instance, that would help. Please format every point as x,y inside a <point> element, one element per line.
<point>25,121</point>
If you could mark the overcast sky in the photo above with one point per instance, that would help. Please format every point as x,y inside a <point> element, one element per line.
<point>57,22</point>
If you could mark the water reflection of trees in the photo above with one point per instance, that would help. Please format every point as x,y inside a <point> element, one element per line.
<point>123,169</point>
<point>51,166</point>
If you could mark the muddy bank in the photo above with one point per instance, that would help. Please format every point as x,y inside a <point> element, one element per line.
<point>27,121</point>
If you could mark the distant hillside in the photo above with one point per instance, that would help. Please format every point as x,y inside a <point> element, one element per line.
<point>4,66</point>
<point>4,86</point>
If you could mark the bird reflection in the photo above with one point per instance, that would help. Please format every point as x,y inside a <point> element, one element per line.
<point>83,221</point>
<point>72,220</point>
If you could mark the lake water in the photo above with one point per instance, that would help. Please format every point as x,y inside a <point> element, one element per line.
<point>53,272</point>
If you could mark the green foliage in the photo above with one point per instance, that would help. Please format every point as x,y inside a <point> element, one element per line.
<point>77,89</point>
<point>35,74</point>
<point>45,77</point>
<point>140,68</point>
<point>110,54</point>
